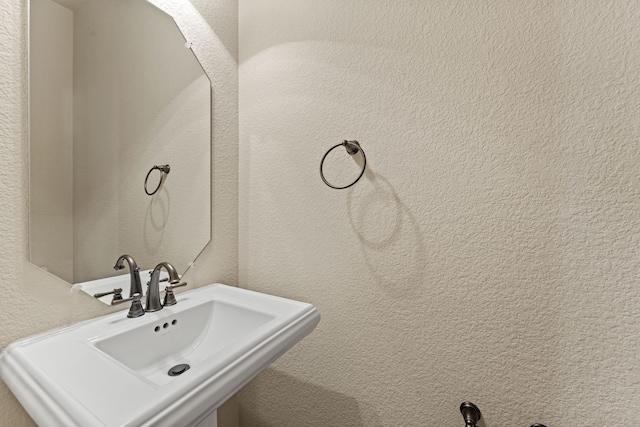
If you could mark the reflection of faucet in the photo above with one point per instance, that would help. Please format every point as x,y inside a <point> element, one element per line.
<point>136,286</point>
<point>153,287</point>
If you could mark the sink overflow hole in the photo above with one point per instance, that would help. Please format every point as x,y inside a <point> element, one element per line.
<point>178,369</point>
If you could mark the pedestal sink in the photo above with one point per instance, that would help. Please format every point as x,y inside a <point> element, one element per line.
<point>173,367</point>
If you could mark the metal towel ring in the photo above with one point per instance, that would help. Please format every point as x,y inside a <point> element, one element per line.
<point>352,148</point>
<point>164,171</point>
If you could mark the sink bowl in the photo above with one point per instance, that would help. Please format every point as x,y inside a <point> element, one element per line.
<point>117,371</point>
<point>193,336</point>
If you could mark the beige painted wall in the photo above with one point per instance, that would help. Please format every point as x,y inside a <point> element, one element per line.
<point>490,253</point>
<point>34,301</point>
<point>51,138</point>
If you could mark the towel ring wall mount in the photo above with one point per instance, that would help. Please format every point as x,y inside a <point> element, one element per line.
<point>352,147</point>
<point>164,171</point>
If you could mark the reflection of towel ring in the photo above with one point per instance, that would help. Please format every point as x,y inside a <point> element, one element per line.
<point>352,148</point>
<point>164,170</point>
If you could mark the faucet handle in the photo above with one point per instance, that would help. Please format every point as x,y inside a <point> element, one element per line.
<point>136,309</point>
<point>169,297</point>
<point>117,295</point>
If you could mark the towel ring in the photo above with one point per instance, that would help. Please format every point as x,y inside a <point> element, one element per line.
<point>164,171</point>
<point>352,147</point>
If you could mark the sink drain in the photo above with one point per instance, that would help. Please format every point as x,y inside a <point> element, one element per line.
<point>178,369</point>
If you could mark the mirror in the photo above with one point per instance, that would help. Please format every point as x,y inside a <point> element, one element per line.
<point>114,90</point>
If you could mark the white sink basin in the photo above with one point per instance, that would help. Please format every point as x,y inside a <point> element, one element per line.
<point>113,370</point>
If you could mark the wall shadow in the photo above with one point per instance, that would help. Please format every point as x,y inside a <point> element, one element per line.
<point>155,220</point>
<point>275,399</point>
<point>391,240</point>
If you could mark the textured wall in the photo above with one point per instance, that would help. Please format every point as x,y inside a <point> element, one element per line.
<point>33,301</point>
<point>489,253</point>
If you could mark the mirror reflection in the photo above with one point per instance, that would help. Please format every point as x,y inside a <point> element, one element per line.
<point>114,90</point>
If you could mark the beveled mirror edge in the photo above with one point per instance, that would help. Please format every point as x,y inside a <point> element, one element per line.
<point>188,45</point>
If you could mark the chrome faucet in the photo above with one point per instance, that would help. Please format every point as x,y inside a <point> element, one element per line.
<point>153,302</point>
<point>136,285</point>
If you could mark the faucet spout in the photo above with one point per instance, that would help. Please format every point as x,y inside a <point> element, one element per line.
<point>136,285</point>
<point>153,302</point>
